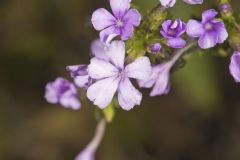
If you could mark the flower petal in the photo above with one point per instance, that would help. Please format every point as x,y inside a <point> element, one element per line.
<point>193,1</point>
<point>162,85</point>
<point>69,99</point>
<point>108,34</point>
<point>176,42</point>
<point>166,24</point>
<point>77,70</point>
<point>194,28</point>
<point>102,19</point>
<point>234,66</point>
<point>209,15</point>
<point>116,53</point>
<point>140,69</point>
<point>98,50</point>
<point>126,31</point>
<point>82,81</point>
<point>151,80</point>
<point>102,92</point>
<point>99,69</point>
<point>133,17</point>
<point>168,3</point>
<point>128,95</point>
<point>221,31</point>
<point>51,95</point>
<point>208,40</point>
<point>120,7</point>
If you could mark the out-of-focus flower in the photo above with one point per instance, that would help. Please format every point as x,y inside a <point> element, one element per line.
<point>171,3</point>
<point>210,30</point>
<point>160,77</point>
<point>63,92</point>
<point>88,153</point>
<point>80,75</point>
<point>193,1</point>
<point>121,23</point>
<point>173,31</point>
<point>112,76</point>
<point>225,8</point>
<point>159,80</point>
<point>168,3</point>
<point>234,66</point>
<point>98,49</point>
<point>155,48</point>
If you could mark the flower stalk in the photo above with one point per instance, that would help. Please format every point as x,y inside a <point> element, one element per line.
<point>147,32</point>
<point>233,25</point>
<point>89,152</point>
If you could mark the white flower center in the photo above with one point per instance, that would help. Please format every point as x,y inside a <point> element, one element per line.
<point>119,23</point>
<point>122,73</point>
<point>171,32</point>
<point>208,26</point>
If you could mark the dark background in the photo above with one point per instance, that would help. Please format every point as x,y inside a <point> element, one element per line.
<point>198,120</point>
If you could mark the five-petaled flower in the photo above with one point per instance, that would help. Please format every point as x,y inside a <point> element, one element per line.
<point>210,30</point>
<point>63,92</point>
<point>121,23</point>
<point>112,76</point>
<point>234,66</point>
<point>173,31</point>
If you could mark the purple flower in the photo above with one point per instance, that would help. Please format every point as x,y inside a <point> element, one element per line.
<point>171,3</point>
<point>159,80</point>
<point>173,31</point>
<point>160,76</point>
<point>63,92</point>
<point>155,48</point>
<point>121,23</point>
<point>193,1</point>
<point>112,76</point>
<point>80,75</point>
<point>234,66</point>
<point>210,30</point>
<point>168,3</point>
<point>89,152</point>
<point>225,8</point>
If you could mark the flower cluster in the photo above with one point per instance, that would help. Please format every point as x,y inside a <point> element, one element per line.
<point>63,92</point>
<point>112,69</point>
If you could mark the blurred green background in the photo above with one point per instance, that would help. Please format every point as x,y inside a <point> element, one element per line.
<point>198,120</point>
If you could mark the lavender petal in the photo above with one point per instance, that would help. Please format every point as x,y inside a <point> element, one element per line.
<point>102,19</point>
<point>128,95</point>
<point>102,92</point>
